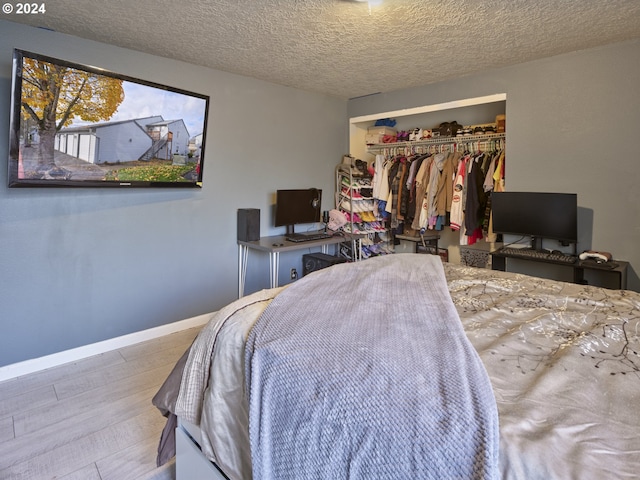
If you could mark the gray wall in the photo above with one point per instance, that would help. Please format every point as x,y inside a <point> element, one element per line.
<point>572,125</point>
<point>81,266</point>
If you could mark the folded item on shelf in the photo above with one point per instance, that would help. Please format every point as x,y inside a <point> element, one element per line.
<point>337,219</point>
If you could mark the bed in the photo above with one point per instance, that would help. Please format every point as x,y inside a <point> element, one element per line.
<point>483,374</point>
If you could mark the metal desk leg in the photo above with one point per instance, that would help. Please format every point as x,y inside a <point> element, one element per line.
<point>274,267</point>
<point>356,248</point>
<point>243,254</point>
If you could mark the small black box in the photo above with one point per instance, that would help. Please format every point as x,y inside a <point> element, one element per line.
<point>248,224</point>
<point>316,261</point>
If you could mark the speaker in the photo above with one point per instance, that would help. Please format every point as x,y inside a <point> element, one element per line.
<point>248,224</point>
<point>316,261</point>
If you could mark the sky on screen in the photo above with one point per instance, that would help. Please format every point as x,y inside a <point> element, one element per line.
<point>144,101</point>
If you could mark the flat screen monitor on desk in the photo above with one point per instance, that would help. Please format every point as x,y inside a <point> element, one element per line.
<point>296,207</point>
<point>536,214</point>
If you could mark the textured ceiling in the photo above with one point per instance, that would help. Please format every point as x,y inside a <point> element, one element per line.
<point>342,48</point>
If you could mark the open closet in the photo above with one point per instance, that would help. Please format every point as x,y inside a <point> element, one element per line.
<point>439,186</point>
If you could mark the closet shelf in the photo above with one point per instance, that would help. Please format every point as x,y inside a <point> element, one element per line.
<point>438,141</point>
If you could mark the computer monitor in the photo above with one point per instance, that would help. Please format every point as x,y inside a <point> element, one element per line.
<point>539,215</point>
<point>297,206</point>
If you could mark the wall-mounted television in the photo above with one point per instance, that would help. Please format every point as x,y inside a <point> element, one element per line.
<point>297,206</point>
<point>75,125</point>
<point>539,215</point>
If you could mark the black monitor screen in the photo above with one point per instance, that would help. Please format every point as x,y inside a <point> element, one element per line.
<point>297,206</point>
<point>541,215</point>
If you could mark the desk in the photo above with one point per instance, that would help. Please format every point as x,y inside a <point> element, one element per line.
<point>616,268</point>
<point>429,241</point>
<point>276,244</point>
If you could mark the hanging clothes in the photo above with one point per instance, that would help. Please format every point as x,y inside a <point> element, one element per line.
<point>380,186</point>
<point>422,180</point>
<point>476,199</point>
<point>412,185</point>
<point>444,195</point>
<point>428,210</point>
<point>394,185</point>
<point>457,202</point>
<point>494,181</point>
<point>380,181</point>
<point>443,187</point>
<point>402,191</point>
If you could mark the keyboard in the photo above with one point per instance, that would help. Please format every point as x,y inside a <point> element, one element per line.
<point>527,253</point>
<point>307,237</point>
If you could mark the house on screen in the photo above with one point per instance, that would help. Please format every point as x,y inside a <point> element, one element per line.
<point>125,141</point>
<point>195,145</point>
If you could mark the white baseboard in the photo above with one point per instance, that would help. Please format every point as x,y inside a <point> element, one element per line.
<point>75,354</point>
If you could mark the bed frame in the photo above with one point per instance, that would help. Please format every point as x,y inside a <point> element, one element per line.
<point>190,462</point>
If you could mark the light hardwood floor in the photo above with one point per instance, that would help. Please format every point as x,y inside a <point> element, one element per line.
<point>92,419</point>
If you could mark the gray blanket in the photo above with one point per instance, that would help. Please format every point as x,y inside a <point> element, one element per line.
<point>369,375</point>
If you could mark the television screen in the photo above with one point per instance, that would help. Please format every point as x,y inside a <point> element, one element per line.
<point>75,125</point>
<point>294,207</point>
<point>540,215</point>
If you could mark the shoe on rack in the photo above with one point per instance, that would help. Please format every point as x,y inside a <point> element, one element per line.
<point>370,216</point>
<point>351,192</point>
<point>345,183</point>
<point>357,218</point>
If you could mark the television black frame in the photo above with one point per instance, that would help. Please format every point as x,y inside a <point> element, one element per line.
<point>14,179</point>
<point>536,237</point>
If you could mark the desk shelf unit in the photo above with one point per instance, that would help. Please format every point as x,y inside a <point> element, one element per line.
<point>615,269</point>
<point>274,245</point>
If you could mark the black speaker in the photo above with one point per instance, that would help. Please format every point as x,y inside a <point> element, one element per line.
<point>316,261</point>
<point>248,224</point>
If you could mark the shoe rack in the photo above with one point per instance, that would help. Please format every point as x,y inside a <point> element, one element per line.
<point>354,198</point>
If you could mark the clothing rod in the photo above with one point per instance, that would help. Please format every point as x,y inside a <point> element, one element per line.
<point>439,141</point>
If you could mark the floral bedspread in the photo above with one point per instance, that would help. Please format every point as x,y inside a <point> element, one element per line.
<point>564,364</point>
